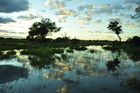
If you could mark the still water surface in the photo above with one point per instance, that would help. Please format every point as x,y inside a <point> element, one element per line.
<point>99,71</point>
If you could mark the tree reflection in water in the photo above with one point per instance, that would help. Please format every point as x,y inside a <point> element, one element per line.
<point>112,65</point>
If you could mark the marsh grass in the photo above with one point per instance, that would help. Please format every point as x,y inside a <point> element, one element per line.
<point>42,52</point>
<point>70,51</point>
<point>7,55</point>
<point>80,48</point>
<point>133,52</point>
<point>40,62</point>
<point>111,48</point>
<point>25,44</point>
<point>92,51</point>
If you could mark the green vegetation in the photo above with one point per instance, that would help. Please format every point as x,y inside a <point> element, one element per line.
<point>116,28</point>
<point>112,48</point>
<point>70,51</point>
<point>80,48</point>
<point>11,44</point>
<point>9,54</point>
<point>40,62</point>
<point>39,30</point>
<point>42,52</point>
<point>92,51</point>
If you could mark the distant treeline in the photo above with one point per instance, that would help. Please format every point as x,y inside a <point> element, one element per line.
<point>134,39</point>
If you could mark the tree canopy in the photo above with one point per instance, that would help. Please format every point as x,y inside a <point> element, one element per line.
<point>39,30</point>
<point>116,28</point>
<point>137,14</point>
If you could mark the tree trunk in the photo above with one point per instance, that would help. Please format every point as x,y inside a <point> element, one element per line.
<point>119,37</point>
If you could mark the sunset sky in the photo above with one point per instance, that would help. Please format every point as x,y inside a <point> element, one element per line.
<point>83,19</point>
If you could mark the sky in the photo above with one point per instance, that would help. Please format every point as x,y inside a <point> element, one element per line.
<point>81,19</point>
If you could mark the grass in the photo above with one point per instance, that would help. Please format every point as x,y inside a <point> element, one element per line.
<point>50,47</point>
<point>133,52</point>
<point>70,51</point>
<point>92,51</point>
<point>40,62</point>
<point>79,48</point>
<point>42,52</point>
<point>25,44</point>
<point>112,48</point>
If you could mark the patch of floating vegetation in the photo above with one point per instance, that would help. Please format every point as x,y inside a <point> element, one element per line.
<point>42,52</point>
<point>70,51</point>
<point>111,48</point>
<point>80,48</point>
<point>7,55</point>
<point>40,62</point>
<point>92,51</point>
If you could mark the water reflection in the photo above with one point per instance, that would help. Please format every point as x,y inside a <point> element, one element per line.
<point>114,64</point>
<point>40,62</point>
<point>64,89</point>
<point>8,73</point>
<point>77,71</point>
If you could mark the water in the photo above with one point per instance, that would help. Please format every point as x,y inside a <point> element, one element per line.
<point>79,72</point>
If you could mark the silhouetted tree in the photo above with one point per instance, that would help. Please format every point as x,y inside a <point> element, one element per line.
<point>39,30</point>
<point>134,41</point>
<point>115,27</point>
<point>137,14</point>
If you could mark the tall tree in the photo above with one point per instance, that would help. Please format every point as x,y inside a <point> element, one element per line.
<point>116,28</point>
<point>39,30</point>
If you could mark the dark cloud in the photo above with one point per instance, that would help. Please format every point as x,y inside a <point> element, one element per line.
<point>6,20</point>
<point>9,6</point>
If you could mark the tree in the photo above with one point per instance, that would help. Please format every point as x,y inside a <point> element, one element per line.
<point>115,27</point>
<point>39,30</point>
<point>137,14</point>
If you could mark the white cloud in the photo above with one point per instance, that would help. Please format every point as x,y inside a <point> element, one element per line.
<point>29,17</point>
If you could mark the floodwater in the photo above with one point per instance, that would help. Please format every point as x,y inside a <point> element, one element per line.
<point>99,71</point>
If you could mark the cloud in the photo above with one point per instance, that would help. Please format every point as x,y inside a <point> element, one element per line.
<point>114,19</point>
<point>131,25</point>
<point>29,17</point>
<point>6,20</point>
<point>11,32</point>
<point>99,32</point>
<point>61,18</point>
<point>55,4</point>
<point>132,1</point>
<point>84,19</point>
<point>9,6</point>
<point>60,7</point>
<point>66,12</point>
<point>86,7</point>
<point>109,8</point>
<point>98,21</point>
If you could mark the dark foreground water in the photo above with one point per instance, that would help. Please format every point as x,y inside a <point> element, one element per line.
<point>91,71</point>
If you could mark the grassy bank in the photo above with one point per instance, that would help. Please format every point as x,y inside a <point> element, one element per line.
<point>26,44</point>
